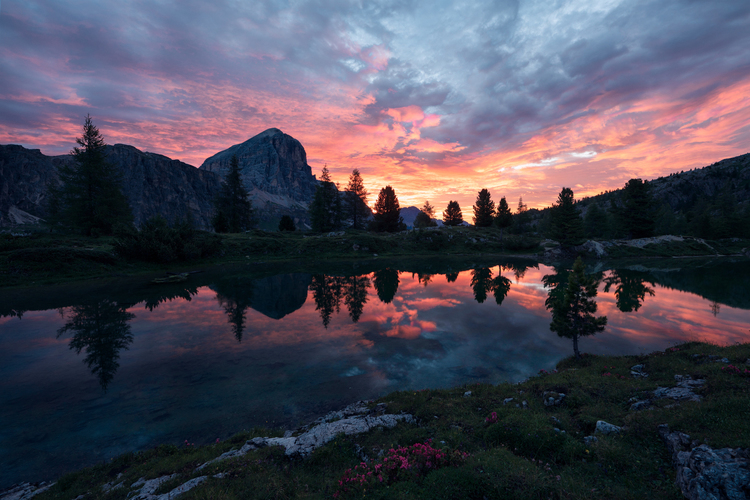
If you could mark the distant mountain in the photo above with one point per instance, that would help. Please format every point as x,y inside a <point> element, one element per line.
<point>153,184</point>
<point>274,170</point>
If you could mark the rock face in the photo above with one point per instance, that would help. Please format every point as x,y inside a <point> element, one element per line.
<point>153,184</point>
<point>274,170</point>
<point>704,473</point>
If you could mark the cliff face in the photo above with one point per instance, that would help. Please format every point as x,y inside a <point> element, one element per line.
<point>153,184</point>
<point>274,170</point>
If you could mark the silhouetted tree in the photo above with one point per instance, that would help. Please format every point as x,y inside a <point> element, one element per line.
<point>481,283</point>
<point>566,225</point>
<point>387,217</point>
<point>89,197</point>
<point>504,216</point>
<point>638,209</point>
<point>235,297</point>
<point>425,216</point>
<point>484,209</point>
<point>630,289</point>
<point>500,288</point>
<point>325,209</point>
<point>287,223</point>
<point>355,295</point>
<point>101,329</point>
<point>451,277</point>
<point>234,210</point>
<point>327,292</point>
<point>386,284</point>
<point>452,215</point>
<point>573,316</point>
<point>356,198</point>
<point>521,218</point>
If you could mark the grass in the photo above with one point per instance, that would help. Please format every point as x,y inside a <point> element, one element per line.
<point>524,454</point>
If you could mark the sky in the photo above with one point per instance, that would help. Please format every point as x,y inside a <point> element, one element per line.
<point>438,99</point>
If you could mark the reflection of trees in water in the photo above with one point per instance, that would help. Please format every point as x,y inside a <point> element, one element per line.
<point>101,329</point>
<point>451,277</point>
<point>715,308</point>
<point>386,283</point>
<point>328,292</point>
<point>423,278</point>
<point>482,283</point>
<point>168,294</point>
<point>630,289</point>
<point>235,297</point>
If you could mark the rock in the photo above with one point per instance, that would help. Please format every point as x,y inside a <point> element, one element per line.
<point>607,429</point>
<point>146,488</point>
<point>507,400</point>
<point>553,398</point>
<point>638,371</point>
<point>683,391</point>
<point>524,405</point>
<point>707,473</point>
<point>589,440</point>
<point>24,491</point>
<point>594,248</point>
<point>467,394</point>
<point>641,405</point>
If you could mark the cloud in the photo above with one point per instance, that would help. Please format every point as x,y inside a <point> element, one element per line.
<point>424,96</point>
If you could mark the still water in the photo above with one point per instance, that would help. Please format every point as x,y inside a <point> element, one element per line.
<point>90,373</point>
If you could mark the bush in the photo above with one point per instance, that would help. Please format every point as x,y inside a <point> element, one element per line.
<point>156,241</point>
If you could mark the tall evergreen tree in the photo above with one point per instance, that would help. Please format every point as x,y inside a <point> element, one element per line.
<point>234,210</point>
<point>387,217</point>
<point>595,222</point>
<point>356,198</point>
<point>452,215</point>
<point>521,218</point>
<point>504,216</point>
<point>90,196</point>
<point>484,209</point>
<point>325,209</point>
<point>573,316</point>
<point>638,209</point>
<point>566,224</point>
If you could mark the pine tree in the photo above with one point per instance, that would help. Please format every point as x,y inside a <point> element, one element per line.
<point>504,217</point>
<point>234,211</point>
<point>521,218</point>
<point>286,223</point>
<point>484,209</point>
<point>424,217</point>
<point>325,209</point>
<point>387,217</point>
<point>573,316</point>
<point>566,224</point>
<point>595,222</point>
<point>452,215</point>
<point>356,198</point>
<point>90,196</point>
<point>638,209</point>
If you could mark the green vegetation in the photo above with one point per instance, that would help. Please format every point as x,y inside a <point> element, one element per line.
<point>515,450</point>
<point>157,242</point>
<point>89,198</point>
<point>287,223</point>
<point>325,209</point>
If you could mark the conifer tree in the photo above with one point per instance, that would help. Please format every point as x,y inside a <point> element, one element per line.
<point>357,200</point>
<point>573,316</point>
<point>566,224</point>
<point>638,209</point>
<point>90,196</point>
<point>504,216</point>
<point>595,222</point>
<point>234,210</point>
<point>484,209</point>
<point>452,215</point>
<point>521,218</point>
<point>325,209</point>
<point>286,223</point>
<point>387,217</point>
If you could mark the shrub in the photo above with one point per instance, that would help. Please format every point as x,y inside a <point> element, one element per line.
<point>156,241</point>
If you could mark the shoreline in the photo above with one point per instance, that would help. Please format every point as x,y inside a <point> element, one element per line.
<point>694,388</point>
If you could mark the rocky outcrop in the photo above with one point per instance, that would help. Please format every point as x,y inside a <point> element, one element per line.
<point>704,473</point>
<point>274,170</point>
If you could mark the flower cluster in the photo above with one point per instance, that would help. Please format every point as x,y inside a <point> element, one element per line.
<point>735,370</point>
<point>400,464</point>
<point>673,349</point>
<point>492,418</point>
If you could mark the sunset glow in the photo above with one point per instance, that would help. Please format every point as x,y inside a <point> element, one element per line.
<point>438,99</point>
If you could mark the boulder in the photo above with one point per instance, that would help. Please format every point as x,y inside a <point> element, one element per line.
<point>606,428</point>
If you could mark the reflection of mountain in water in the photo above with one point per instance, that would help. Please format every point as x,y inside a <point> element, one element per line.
<point>274,296</point>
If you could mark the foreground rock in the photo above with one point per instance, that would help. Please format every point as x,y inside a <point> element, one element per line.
<point>704,473</point>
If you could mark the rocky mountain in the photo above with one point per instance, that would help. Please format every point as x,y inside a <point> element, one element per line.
<point>274,170</point>
<point>153,184</point>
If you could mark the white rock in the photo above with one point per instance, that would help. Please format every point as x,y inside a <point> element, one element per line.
<point>606,429</point>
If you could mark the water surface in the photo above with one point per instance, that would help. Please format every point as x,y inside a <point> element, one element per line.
<point>89,373</point>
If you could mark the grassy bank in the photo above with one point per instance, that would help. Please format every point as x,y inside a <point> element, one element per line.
<point>517,448</point>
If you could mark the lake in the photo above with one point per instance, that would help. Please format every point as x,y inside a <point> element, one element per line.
<point>89,371</point>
